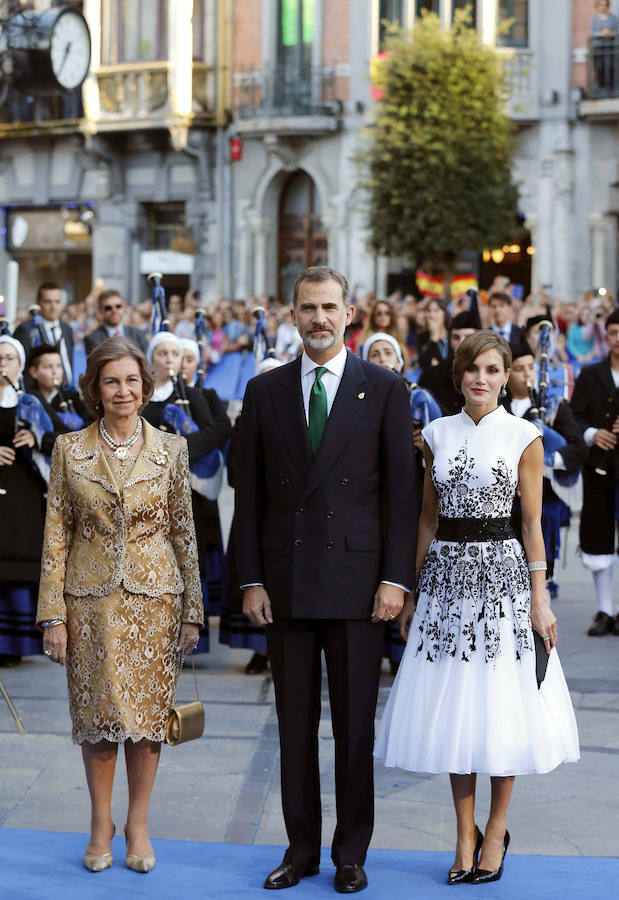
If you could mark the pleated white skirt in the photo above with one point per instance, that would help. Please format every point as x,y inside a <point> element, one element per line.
<point>450,715</point>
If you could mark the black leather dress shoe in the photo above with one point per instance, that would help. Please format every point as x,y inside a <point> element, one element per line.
<point>258,664</point>
<point>602,624</point>
<point>616,624</point>
<point>460,876</point>
<point>288,874</point>
<point>350,879</point>
<point>483,876</point>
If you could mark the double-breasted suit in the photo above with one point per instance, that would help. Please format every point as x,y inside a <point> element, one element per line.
<point>120,568</point>
<point>320,533</point>
<point>595,404</point>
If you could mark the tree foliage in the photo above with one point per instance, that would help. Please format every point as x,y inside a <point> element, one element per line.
<point>437,159</point>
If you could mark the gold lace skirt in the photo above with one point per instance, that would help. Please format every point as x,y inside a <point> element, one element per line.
<point>122,665</point>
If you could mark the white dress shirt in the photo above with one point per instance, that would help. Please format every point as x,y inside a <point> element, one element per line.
<point>113,330</point>
<point>504,332</point>
<point>330,379</point>
<point>591,432</point>
<point>55,336</point>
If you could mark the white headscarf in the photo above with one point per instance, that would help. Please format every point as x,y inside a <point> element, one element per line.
<point>192,346</point>
<point>160,338</point>
<point>270,362</point>
<point>17,345</point>
<point>383,336</point>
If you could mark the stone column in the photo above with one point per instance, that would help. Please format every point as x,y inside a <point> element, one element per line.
<point>599,227</point>
<point>262,229</point>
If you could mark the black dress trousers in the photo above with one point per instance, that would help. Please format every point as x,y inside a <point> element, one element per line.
<point>353,650</point>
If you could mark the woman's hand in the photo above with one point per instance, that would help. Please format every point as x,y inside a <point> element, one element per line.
<point>7,456</point>
<point>544,621</point>
<point>55,643</point>
<point>24,438</point>
<point>406,615</point>
<point>189,637</point>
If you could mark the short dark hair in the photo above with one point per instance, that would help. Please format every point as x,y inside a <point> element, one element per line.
<point>47,286</point>
<point>105,295</point>
<point>108,351</point>
<point>472,346</point>
<point>500,295</point>
<point>613,318</point>
<point>42,350</point>
<point>321,274</point>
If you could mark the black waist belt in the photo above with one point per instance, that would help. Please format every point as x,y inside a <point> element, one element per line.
<point>474,529</point>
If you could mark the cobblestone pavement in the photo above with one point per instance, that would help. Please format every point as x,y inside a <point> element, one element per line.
<point>225,787</point>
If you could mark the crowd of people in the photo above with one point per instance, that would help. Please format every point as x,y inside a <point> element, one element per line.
<point>127,448</point>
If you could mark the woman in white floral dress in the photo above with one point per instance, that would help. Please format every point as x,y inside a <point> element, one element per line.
<point>466,698</point>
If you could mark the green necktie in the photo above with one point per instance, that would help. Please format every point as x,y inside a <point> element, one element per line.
<point>317,410</point>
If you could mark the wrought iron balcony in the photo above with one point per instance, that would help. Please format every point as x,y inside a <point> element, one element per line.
<point>283,91</point>
<point>603,68</point>
<point>24,115</point>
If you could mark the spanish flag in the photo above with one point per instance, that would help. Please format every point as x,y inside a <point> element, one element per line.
<point>431,285</point>
<point>376,92</point>
<point>462,283</point>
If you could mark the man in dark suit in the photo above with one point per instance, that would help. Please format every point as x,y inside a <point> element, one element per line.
<point>326,531</point>
<point>112,310</point>
<point>501,314</point>
<point>595,404</point>
<point>52,329</point>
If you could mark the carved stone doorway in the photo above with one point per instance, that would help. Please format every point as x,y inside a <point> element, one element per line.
<point>302,238</point>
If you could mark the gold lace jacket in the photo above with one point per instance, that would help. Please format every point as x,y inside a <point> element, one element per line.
<point>98,537</point>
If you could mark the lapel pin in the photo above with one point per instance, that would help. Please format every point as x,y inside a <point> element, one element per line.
<point>361,395</point>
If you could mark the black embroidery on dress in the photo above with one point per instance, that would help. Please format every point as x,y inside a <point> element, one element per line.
<point>463,584</point>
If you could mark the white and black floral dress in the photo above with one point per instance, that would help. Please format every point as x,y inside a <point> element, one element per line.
<point>466,697</point>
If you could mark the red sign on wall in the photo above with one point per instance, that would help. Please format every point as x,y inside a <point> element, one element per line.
<point>236,149</point>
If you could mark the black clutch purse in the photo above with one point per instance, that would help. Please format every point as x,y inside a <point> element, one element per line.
<point>541,658</point>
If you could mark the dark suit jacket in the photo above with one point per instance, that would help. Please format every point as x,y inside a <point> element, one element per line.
<point>594,404</point>
<point>22,334</point>
<point>99,334</point>
<point>322,532</point>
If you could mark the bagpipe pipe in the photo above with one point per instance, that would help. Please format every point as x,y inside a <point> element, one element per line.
<point>30,414</point>
<point>206,473</point>
<point>36,331</point>
<point>264,344</point>
<point>543,412</point>
<point>66,409</point>
<point>201,341</point>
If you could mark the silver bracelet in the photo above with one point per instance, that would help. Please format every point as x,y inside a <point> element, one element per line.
<point>49,623</point>
<point>537,566</point>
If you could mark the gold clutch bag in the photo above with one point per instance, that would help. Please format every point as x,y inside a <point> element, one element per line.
<point>185,721</point>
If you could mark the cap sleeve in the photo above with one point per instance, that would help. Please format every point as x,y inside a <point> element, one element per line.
<point>428,434</point>
<point>527,434</point>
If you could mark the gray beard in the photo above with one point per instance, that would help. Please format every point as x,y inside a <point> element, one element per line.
<point>322,343</point>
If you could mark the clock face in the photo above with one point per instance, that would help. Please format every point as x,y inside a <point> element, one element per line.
<point>70,49</point>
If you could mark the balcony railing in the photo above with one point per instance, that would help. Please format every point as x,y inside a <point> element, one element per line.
<point>20,113</point>
<point>287,91</point>
<point>603,67</point>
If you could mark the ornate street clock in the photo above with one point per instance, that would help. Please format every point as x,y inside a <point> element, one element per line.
<point>49,51</point>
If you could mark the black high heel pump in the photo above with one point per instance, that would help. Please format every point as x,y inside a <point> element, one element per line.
<point>483,876</point>
<point>462,875</point>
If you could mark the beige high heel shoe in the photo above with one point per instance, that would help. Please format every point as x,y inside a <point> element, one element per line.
<point>142,864</point>
<point>99,863</point>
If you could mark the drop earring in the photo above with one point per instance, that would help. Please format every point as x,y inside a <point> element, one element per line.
<point>503,392</point>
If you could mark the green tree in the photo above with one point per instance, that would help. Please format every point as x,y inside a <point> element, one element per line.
<point>437,160</point>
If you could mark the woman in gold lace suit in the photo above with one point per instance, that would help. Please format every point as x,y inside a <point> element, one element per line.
<point>120,590</point>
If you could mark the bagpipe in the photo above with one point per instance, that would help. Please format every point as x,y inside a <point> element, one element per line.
<point>37,330</point>
<point>264,344</point>
<point>206,473</point>
<point>66,409</point>
<point>31,415</point>
<point>201,341</point>
<point>543,412</point>
<point>424,408</point>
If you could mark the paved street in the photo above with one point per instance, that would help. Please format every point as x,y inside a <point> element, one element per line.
<point>225,787</point>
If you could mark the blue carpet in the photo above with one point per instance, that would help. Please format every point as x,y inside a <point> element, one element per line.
<point>48,865</point>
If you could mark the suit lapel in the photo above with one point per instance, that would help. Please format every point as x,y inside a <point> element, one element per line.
<point>349,403</point>
<point>606,377</point>
<point>94,465</point>
<point>290,414</point>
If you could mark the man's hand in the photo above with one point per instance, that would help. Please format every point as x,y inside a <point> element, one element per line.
<point>388,601</point>
<point>257,606</point>
<point>7,456</point>
<point>605,439</point>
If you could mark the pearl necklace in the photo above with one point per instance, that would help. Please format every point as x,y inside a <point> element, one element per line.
<point>120,448</point>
